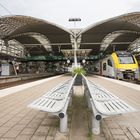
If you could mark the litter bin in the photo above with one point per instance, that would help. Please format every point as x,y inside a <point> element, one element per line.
<point>78,80</point>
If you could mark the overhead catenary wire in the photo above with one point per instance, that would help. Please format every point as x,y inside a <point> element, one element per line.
<point>6,9</point>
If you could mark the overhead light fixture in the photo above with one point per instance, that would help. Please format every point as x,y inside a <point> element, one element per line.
<point>74,20</point>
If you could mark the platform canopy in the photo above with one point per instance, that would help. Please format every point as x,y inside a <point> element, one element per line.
<point>37,36</point>
<point>113,34</point>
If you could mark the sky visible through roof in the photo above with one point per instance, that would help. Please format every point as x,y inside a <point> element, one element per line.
<point>59,11</point>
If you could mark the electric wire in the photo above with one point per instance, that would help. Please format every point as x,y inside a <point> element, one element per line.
<point>6,9</point>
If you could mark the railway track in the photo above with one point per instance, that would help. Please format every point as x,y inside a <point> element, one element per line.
<point>11,84</point>
<point>15,83</point>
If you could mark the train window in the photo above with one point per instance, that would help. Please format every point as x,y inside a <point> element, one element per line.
<point>126,59</point>
<point>109,62</point>
<point>104,66</point>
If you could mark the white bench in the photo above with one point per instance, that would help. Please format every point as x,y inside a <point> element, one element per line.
<point>56,102</point>
<point>103,104</point>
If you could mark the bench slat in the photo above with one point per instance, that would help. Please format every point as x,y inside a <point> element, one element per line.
<point>100,94</point>
<point>105,102</point>
<point>113,107</point>
<point>48,105</point>
<point>54,100</point>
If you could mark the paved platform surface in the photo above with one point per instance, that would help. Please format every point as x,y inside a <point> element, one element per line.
<point>122,127</point>
<point>17,122</point>
<point>22,123</point>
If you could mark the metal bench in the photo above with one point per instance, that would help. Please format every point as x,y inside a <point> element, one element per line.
<point>103,104</point>
<point>56,102</point>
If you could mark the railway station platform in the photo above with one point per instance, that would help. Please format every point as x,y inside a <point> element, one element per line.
<point>121,127</point>
<point>18,122</point>
<point>21,77</point>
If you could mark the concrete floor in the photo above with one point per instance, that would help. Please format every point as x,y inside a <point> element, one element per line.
<point>17,122</point>
<point>126,126</point>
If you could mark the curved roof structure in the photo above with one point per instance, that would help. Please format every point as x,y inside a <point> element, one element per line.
<point>39,37</point>
<point>32,32</point>
<point>127,27</point>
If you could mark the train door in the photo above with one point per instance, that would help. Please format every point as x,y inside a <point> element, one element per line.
<point>110,69</point>
<point>104,68</point>
<point>100,66</point>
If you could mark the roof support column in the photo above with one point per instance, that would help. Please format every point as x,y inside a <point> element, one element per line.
<point>9,51</point>
<point>75,49</point>
<point>7,46</point>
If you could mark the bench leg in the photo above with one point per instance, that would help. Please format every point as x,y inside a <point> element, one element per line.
<point>64,118</point>
<point>95,125</point>
<point>86,93</point>
<point>72,91</point>
<point>63,124</point>
<point>88,100</point>
<point>70,102</point>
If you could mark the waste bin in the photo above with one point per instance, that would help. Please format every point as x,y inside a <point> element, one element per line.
<point>78,80</point>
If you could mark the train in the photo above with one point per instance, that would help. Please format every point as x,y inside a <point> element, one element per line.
<point>118,65</point>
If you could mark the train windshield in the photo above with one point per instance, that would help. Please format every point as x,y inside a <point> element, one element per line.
<point>126,59</point>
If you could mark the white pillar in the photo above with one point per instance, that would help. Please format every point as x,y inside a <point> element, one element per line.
<point>75,48</point>
<point>63,124</point>
<point>95,125</point>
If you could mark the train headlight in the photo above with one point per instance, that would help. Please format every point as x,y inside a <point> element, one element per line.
<point>122,69</point>
<point>134,69</point>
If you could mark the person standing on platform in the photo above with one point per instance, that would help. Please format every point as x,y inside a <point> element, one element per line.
<point>17,68</point>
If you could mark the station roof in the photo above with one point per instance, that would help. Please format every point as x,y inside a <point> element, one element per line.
<point>119,31</point>
<point>32,32</point>
<point>41,37</point>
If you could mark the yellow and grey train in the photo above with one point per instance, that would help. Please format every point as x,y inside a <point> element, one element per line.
<point>119,65</point>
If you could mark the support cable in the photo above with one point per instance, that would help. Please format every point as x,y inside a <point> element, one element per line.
<point>6,9</point>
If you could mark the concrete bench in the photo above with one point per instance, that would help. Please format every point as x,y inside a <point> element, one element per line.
<point>103,104</point>
<point>56,102</point>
